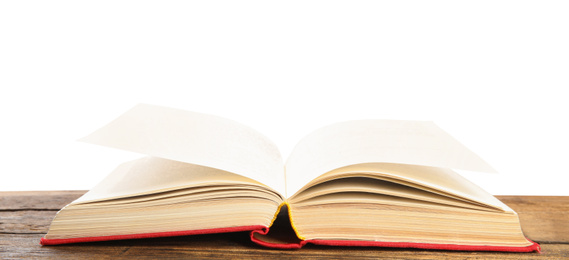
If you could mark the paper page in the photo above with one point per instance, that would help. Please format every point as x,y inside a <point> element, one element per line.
<point>432,179</point>
<point>366,185</point>
<point>369,141</point>
<point>150,174</point>
<point>195,138</point>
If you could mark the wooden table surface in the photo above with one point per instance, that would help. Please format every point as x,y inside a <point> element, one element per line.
<point>25,218</point>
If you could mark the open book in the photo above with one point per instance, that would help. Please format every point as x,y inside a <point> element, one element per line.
<point>356,183</point>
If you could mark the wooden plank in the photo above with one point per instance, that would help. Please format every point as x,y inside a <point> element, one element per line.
<point>44,200</point>
<point>236,246</point>
<point>25,217</point>
<point>25,221</point>
<point>544,219</point>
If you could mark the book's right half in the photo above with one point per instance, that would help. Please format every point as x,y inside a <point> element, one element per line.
<point>370,192</point>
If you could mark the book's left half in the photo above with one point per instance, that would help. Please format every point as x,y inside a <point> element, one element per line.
<point>203,174</point>
<point>156,197</point>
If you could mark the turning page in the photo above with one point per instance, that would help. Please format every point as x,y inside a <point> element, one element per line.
<point>376,141</point>
<point>195,138</point>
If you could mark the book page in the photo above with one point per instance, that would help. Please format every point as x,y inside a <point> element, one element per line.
<point>197,139</point>
<point>412,178</point>
<point>376,141</point>
<point>369,183</point>
<point>154,174</point>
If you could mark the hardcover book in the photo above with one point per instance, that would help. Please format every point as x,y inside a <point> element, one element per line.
<point>386,183</point>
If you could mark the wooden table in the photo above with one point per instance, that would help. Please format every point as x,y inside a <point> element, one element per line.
<point>25,218</point>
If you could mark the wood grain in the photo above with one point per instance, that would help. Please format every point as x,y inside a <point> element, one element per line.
<point>25,217</point>
<point>543,218</point>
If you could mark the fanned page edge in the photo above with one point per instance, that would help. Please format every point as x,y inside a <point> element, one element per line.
<point>49,242</point>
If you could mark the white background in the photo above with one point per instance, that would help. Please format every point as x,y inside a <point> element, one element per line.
<point>494,74</point>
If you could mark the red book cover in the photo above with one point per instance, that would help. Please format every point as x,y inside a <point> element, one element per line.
<point>47,242</point>
<point>257,237</point>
